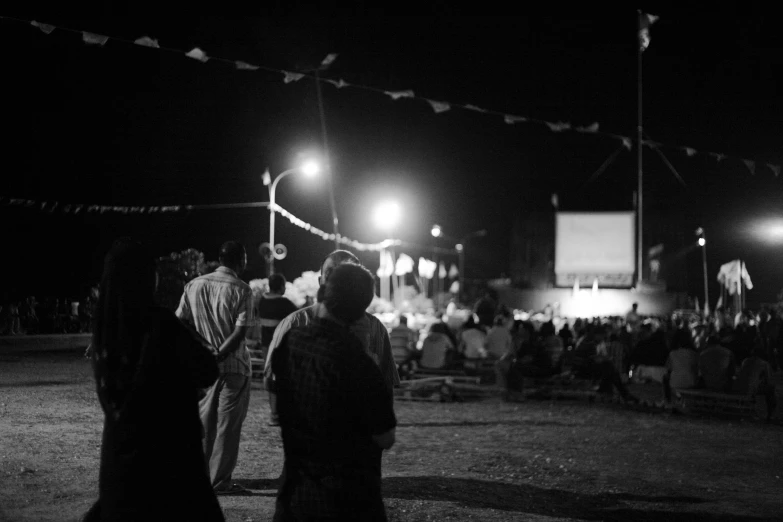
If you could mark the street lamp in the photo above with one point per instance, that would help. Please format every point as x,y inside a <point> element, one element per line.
<point>703,244</point>
<point>387,215</point>
<point>309,168</point>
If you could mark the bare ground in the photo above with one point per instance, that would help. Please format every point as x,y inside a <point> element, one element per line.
<point>488,460</point>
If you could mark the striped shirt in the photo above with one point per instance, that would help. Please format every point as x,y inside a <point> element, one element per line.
<point>369,329</point>
<point>214,304</point>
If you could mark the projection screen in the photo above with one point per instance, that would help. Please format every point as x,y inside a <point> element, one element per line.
<point>595,245</point>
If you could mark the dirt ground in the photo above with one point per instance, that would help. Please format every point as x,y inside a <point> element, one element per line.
<point>487,460</point>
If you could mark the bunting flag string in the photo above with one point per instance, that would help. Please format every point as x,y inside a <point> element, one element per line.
<point>81,208</point>
<point>437,106</point>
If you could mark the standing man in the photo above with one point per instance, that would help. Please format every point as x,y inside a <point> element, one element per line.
<point>220,306</point>
<point>369,329</point>
<point>336,412</point>
<point>273,308</point>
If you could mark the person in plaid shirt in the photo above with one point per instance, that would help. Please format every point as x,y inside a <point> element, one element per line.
<point>220,307</point>
<point>368,329</point>
<point>336,410</point>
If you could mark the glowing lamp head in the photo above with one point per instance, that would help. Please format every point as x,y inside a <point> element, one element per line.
<point>458,247</point>
<point>436,231</point>
<point>310,168</point>
<point>702,241</point>
<point>387,215</point>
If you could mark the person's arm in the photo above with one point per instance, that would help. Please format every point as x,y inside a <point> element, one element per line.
<point>386,439</point>
<point>232,343</point>
<point>198,357</point>
<point>184,313</point>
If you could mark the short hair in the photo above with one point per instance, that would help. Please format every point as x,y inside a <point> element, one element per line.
<point>231,253</point>
<point>403,319</point>
<point>341,256</point>
<point>277,283</point>
<point>348,292</point>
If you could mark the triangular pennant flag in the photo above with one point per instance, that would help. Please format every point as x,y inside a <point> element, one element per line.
<point>329,60</point>
<point>396,95</point>
<point>652,144</point>
<point>718,156</point>
<point>558,127</point>
<point>45,28</point>
<point>338,83</point>
<point>439,107</point>
<point>146,41</point>
<point>94,39</point>
<point>689,151</point>
<point>244,66</point>
<point>404,265</point>
<point>593,127</point>
<point>627,143</point>
<point>511,119</point>
<point>197,54</point>
<point>774,168</point>
<point>292,76</point>
<point>442,270</point>
<point>474,108</point>
<point>751,166</point>
<point>453,272</point>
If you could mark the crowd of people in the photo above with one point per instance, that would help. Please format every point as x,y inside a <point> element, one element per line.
<point>175,386</point>
<point>51,315</point>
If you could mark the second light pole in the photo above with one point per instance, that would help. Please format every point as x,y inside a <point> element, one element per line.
<point>703,245</point>
<point>310,168</point>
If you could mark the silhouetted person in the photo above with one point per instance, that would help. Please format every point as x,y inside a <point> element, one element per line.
<point>335,408</point>
<point>148,368</point>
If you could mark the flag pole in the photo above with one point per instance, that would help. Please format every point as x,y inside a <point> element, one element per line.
<point>639,216</point>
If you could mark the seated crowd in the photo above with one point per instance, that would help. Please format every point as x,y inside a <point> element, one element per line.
<point>52,315</point>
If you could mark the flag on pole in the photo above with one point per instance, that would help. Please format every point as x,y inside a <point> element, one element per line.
<point>442,270</point>
<point>645,22</point>
<point>453,272</point>
<point>404,265</point>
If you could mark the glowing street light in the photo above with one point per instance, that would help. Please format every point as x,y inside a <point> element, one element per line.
<point>436,231</point>
<point>387,215</point>
<point>309,169</point>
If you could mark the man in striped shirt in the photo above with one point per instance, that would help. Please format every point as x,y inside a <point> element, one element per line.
<point>220,306</point>
<point>369,330</point>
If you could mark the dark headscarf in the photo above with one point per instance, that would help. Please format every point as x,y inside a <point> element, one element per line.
<point>122,321</point>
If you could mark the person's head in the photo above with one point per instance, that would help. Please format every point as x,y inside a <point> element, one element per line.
<point>348,292</point>
<point>441,328</point>
<point>336,258</point>
<point>635,306</point>
<point>233,255</point>
<point>547,329</point>
<point>403,320</point>
<point>713,340</point>
<point>277,284</point>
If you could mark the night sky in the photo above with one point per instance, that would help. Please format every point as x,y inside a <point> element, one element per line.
<point>128,125</point>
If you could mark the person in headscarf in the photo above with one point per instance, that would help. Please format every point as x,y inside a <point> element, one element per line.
<point>149,369</point>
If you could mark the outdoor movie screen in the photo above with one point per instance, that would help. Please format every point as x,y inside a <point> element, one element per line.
<point>595,245</point>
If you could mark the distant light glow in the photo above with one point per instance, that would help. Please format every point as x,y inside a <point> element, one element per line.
<point>458,247</point>
<point>310,168</point>
<point>436,231</point>
<point>769,231</point>
<point>702,241</point>
<point>387,215</point>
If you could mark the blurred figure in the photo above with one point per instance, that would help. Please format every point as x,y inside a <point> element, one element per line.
<point>498,342</point>
<point>438,351</point>
<point>472,340</point>
<point>148,369</point>
<point>219,306</point>
<point>403,342</point>
<point>273,308</point>
<point>682,370</point>
<point>755,378</point>
<point>716,366</point>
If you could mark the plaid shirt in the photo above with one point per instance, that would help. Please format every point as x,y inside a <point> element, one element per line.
<point>214,304</point>
<point>331,399</point>
<point>369,330</point>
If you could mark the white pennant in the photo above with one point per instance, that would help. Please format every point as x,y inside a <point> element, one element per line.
<point>94,39</point>
<point>45,28</point>
<point>511,120</point>
<point>396,95</point>
<point>197,54</point>
<point>627,143</point>
<point>329,60</point>
<point>474,108</point>
<point>338,83</point>
<point>558,127</point>
<point>774,168</point>
<point>244,66</point>
<point>146,41</point>
<point>438,106</point>
<point>593,127</point>
<point>751,166</point>
<point>292,76</point>
<point>689,151</point>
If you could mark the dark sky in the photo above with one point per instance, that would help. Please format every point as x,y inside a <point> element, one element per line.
<point>126,125</point>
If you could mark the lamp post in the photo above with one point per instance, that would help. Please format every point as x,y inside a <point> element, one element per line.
<point>309,169</point>
<point>386,216</point>
<point>703,245</point>
<point>437,231</point>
